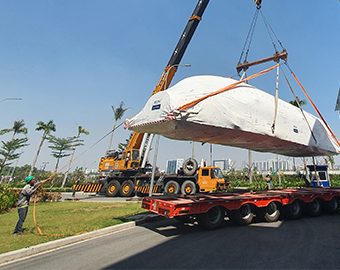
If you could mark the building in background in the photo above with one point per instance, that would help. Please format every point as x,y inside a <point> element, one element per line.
<point>273,165</point>
<point>172,166</point>
<point>223,164</point>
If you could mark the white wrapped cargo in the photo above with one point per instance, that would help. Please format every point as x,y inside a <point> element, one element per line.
<point>241,117</point>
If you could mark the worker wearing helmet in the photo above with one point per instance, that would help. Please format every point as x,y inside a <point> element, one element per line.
<point>24,200</point>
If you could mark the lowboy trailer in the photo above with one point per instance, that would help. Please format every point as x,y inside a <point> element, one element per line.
<point>210,210</point>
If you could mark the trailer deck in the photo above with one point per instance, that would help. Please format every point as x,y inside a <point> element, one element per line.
<point>243,206</point>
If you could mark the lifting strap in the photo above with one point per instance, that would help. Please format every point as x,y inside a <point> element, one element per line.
<point>314,106</point>
<point>39,231</point>
<point>224,89</point>
<point>276,99</point>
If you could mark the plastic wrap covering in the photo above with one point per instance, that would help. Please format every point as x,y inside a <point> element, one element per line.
<point>242,117</point>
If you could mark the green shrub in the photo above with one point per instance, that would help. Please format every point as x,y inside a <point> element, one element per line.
<point>8,198</point>
<point>44,196</point>
<point>335,180</point>
<point>239,179</point>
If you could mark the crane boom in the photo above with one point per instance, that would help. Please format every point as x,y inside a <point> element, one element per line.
<point>131,156</point>
<point>177,55</point>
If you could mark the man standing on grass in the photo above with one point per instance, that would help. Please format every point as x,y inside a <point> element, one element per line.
<point>24,200</point>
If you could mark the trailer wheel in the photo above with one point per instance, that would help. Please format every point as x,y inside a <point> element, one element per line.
<point>271,213</point>
<point>242,216</point>
<point>331,206</point>
<point>171,187</point>
<point>313,208</point>
<point>293,210</point>
<point>212,219</point>
<point>188,187</point>
<point>126,190</point>
<point>112,188</point>
<point>190,166</point>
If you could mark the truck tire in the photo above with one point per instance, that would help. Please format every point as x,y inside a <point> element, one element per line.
<point>271,213</point>
<point>331,206</point>
<point>112,188</point>
<point>293,210</point>
<point>242,216</point>
<point>188,187</point>
<point>171,188</point>
<point>190,166</point>
<point>313,208</point>
<point>212,219</point>
<point>127,189</point>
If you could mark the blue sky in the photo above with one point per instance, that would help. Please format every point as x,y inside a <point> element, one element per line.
<point>71,60</point>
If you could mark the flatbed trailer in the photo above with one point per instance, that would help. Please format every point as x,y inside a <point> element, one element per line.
<point>210,210</point>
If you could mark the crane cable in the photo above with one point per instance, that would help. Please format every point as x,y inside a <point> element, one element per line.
<point>271,32</point>
<point>249,38</point>
<point>299,105</point>
<point>247,44</point>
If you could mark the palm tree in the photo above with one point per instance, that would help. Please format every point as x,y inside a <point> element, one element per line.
<point>4,131</point>
<point>61,147</point>
<point>14,144</point>
<point>118,114</point>
<point>81,130</point>
<point>18,127</point>
<point>9,151</point>
<point>47,128</point>
<point>298,102</point>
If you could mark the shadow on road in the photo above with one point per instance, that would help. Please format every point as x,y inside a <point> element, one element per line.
<point>308,243</point>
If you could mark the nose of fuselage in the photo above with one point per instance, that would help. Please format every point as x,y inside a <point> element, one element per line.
<point>154,112</point>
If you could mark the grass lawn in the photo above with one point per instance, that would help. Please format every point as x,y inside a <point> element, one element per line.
<point>65,218</point>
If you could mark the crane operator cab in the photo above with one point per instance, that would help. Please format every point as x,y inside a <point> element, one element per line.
<point>318,176</point>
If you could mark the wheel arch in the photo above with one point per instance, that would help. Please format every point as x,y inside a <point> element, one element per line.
<point>218,205</point>
<point>277,202</point>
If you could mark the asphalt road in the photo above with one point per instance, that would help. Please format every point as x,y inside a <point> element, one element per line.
<point>308,243</point>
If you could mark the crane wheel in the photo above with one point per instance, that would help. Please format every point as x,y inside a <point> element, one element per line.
<point>242,216</point>
<point>293,210</point>
<point>313,208</point>
<point>188,187</point>
<point>171,188</point>
<point>112,188</point>
<point>126,189</point>
<point>190,166</point>
<point>212,219</point>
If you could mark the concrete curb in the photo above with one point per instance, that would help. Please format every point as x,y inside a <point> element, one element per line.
<point>33,250</point>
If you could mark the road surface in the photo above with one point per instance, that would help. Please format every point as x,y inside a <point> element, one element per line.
<point>92,197</point>
<point>308,243</point>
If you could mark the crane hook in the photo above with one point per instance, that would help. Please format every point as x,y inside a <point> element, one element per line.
<point>258,3</point>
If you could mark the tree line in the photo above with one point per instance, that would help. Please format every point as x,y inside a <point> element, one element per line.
<point>61,147</point>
